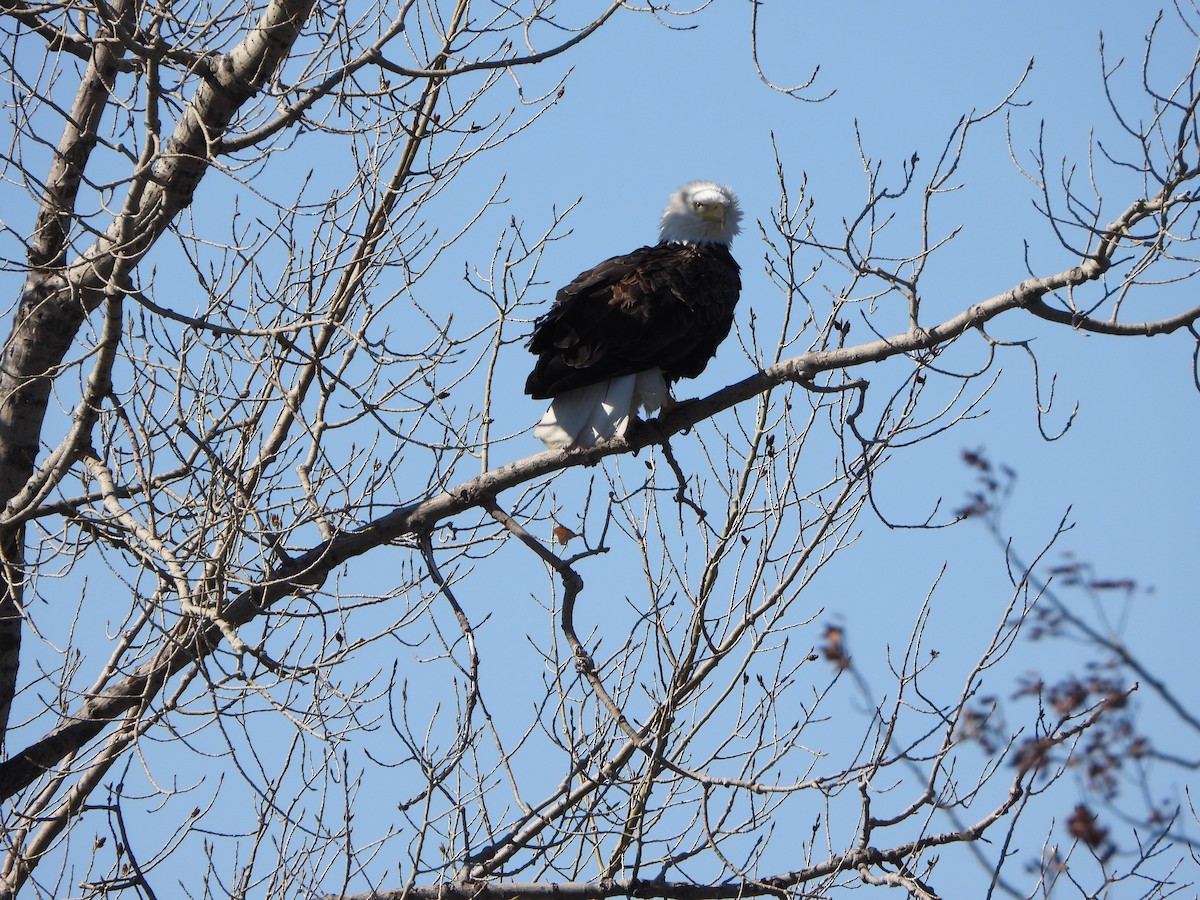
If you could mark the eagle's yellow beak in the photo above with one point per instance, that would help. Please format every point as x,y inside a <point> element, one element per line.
<point>714,212</point>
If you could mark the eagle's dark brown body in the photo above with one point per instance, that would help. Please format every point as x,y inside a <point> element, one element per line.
<point>667,306</point>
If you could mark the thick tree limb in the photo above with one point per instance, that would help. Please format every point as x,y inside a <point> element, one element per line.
<point>57,296</point>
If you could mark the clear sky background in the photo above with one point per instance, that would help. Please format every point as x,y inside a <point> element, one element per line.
<point>647,108</point>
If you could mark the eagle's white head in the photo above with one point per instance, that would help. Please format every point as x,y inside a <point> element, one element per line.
<point>700,212</point>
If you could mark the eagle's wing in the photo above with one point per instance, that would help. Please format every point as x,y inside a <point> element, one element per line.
<point>666,306</point>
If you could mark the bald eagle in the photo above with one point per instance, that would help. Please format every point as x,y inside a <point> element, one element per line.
<point>621,332</point>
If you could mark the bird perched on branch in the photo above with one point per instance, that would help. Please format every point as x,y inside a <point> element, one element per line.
<point>622,332</point>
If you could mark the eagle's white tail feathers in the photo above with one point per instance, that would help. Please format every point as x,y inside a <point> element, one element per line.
<point>600,412</point>
<point>651,390</point>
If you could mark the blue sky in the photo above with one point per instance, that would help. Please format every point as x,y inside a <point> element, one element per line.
<point>646,109</point>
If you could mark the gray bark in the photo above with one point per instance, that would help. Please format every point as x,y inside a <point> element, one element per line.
<point>59,294</point>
